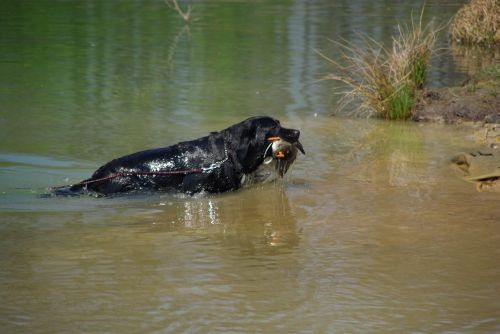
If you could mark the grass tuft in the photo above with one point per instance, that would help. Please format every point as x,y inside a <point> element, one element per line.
<point>385,82</point>
<point>476,23</point>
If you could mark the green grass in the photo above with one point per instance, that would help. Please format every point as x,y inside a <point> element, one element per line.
<point>401,103</point>
<point>418,71</point>
<point>490,72</point>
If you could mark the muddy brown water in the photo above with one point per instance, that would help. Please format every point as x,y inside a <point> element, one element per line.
<point>371,231</point>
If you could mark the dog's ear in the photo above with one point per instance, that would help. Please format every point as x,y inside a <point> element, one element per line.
<point>245,140</point>
<point>250,140</point>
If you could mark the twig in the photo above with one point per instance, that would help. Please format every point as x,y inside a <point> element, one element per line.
<point>174,5</point>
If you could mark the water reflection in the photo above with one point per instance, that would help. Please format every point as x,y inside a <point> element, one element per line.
<point>259,218</point>
<point>471,59</point>
<point>398,152</point>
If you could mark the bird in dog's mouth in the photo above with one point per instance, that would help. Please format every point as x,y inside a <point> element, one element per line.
<point>283,152</point>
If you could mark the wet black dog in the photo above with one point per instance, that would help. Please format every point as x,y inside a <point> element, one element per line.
<point>255,150</point>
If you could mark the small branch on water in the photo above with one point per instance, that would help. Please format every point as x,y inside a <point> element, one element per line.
<point>174,5</point>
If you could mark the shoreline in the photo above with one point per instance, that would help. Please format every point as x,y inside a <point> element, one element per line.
<point>476,100</point>
<point>476,103</point>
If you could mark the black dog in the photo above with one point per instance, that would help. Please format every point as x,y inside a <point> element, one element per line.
<point>255,150</point>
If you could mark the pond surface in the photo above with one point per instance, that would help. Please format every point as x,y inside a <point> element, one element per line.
<point>371,231</point>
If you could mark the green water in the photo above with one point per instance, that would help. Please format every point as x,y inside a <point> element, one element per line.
<point>370,232</point>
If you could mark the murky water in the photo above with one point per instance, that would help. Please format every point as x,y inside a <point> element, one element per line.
<point>371,231</point>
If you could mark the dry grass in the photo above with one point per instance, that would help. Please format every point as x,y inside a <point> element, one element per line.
<point>477,23</point>
<point>386,82</point>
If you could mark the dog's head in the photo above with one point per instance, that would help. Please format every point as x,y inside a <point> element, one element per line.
<point>259,140</point>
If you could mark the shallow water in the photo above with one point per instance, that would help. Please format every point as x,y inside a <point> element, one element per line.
<point>371,231</point>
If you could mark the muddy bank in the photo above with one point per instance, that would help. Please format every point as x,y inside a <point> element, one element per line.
<point>476,100</point>
<point>460,104</point>
<point>481,167</point>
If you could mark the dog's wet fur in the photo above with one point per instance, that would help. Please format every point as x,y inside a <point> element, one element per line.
<point>256,150</point>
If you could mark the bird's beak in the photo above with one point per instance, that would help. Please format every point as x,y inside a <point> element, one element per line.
<point>300,147</point>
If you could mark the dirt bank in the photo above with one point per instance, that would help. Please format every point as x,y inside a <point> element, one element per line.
<point>476,100</point>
